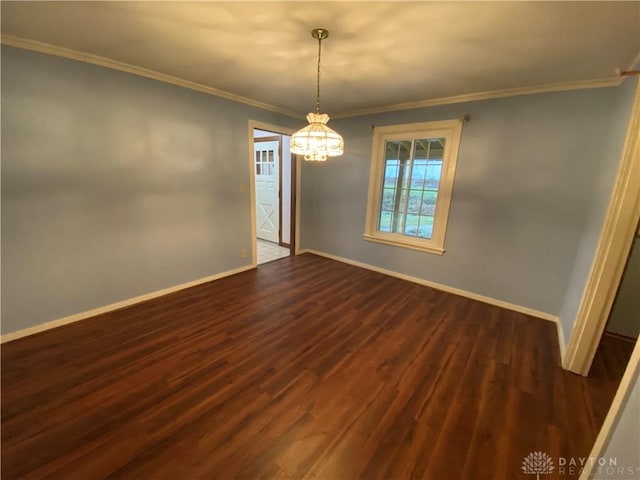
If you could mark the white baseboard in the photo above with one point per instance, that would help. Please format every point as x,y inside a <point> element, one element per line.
<point>115,306</point>
<point>456,291</point>
<point>131,301</point>
<point>563,346</point>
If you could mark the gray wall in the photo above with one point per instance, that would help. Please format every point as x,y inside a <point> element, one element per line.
<point>530,171</point>
<point>114,186</point>
<point>625,314</point>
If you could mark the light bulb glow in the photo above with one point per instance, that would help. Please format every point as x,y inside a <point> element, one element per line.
<point>316,141</point>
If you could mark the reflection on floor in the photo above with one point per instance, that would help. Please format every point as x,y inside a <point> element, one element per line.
<point>306,368</point>
<point>608,366</point>
<point>268,251</point>
<point>612,357</point>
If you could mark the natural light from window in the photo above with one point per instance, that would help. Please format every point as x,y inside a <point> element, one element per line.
<point>411,182</point>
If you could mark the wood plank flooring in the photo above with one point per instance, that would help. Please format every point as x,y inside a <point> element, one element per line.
<point>303,368</point>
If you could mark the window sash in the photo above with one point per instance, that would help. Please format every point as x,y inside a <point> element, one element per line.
<point>406,187</point>
<point>448,130</point>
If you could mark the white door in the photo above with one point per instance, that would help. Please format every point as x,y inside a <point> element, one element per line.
<point>267,190</point>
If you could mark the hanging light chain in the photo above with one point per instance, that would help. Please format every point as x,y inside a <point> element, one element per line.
<point>316,141</point>
<point>318,77</point>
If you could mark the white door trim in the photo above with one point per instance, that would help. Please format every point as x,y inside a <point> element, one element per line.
<point>613,249</point>
<point>255,124</point>
<point>612,252</point>
<point>271,197</point>
<point>612,419</point>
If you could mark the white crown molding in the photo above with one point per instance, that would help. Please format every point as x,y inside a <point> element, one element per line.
<point>49,49</point>
<point>474,97</point>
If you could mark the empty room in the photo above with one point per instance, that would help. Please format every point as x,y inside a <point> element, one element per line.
<point>320,240</point>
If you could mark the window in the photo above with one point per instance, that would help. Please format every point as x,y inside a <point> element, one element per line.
<point>265,162</point>
<point>410,184</point>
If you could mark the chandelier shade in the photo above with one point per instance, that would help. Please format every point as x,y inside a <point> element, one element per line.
<point>316,141</point>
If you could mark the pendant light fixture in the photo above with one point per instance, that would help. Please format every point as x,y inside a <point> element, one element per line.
<point>316,141</point>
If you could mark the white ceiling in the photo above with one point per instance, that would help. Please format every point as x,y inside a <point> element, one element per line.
<point>378,53</point>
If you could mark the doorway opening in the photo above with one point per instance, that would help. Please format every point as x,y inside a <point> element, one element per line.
<point>623,325</point>
<point>618,338</point>
<point>274,171</point>
<point>611,257</point>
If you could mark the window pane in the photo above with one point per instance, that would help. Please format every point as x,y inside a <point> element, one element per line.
<point>426,227</point>
<point>436,149</point>
<point>394,187</point>
<point>398,150</point>
<point>411,225</point>
<point>391,173</point>
<point>385,222</point>
<point>423,147</point>
<point>404,171</point>
<point>388,197</point>
<point>402,200</point>
<point>433,173</point>
<point>429,203</point>
<point>418,174</point>
<point>425,179</point>
<point>410,186</point>
<point>415,199</point>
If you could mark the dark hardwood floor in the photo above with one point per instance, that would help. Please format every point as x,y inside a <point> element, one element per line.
<point>304,368</point>
<point>609,364</point>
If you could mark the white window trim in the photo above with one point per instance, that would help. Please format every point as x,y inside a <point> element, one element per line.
<point>449,129</point>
